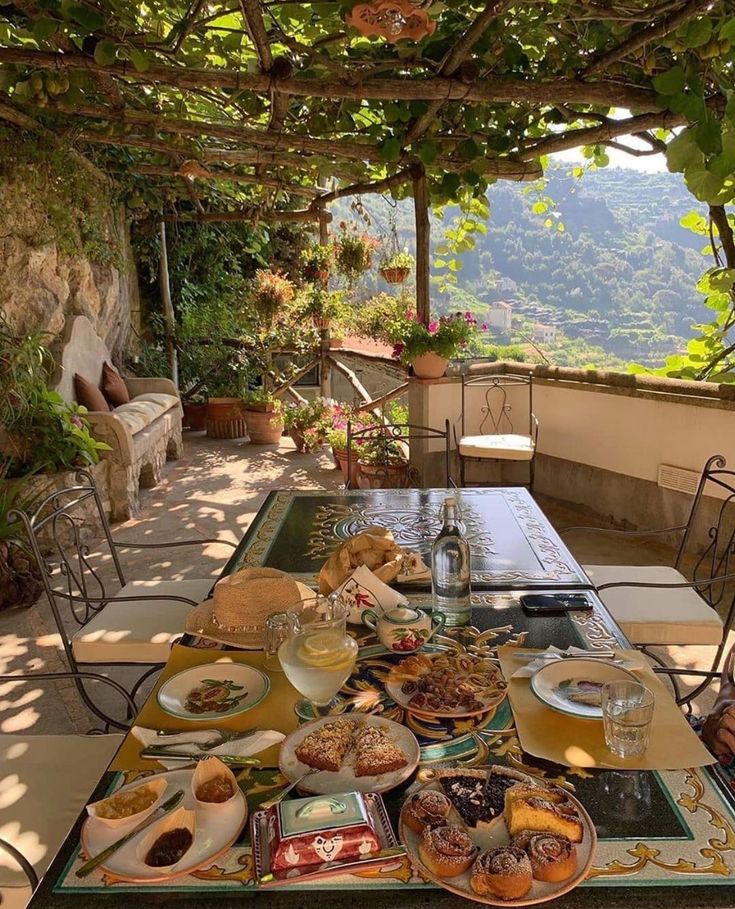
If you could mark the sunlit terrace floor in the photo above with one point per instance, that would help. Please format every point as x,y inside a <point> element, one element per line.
<point>215,491</point>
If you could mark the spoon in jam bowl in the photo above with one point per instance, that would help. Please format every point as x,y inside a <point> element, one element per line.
<point>101,857</point>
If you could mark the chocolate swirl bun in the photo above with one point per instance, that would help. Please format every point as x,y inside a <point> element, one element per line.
<point>427,808</point>
<point>504,873</point>
<point>553,858</point>
<point>446,851</point>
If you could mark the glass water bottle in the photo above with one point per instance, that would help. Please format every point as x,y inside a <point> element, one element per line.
<point>450,569</point>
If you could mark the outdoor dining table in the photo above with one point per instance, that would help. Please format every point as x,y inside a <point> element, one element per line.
<point>664,837</point>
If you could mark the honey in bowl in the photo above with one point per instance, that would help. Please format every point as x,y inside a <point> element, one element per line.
<point>215,790</point>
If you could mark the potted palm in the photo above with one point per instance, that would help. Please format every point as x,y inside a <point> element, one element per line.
<point>264,417</point>
<point>427,348</point>
<point>395,268</point>
<point>383,464</point>
<point>317,262</point>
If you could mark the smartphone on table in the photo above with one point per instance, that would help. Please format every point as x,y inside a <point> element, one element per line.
<point>537,603</point>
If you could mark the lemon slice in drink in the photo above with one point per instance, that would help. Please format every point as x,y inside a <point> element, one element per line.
<point>325,648</point>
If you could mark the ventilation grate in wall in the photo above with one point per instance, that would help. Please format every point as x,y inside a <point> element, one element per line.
<point>678,478</point>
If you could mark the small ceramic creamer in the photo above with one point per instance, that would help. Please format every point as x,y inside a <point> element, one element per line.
<point>404,629</point>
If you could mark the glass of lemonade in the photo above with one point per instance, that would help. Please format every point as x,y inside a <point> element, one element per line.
<point>318,655</point>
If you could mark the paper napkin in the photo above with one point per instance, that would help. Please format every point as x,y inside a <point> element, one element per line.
<point>259,741</point>
<point>363,590</point>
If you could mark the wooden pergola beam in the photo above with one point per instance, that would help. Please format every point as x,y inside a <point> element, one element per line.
<point>300,216</point>
<point>294,189</point>
<point>423,245</point>
<point>494,89</point>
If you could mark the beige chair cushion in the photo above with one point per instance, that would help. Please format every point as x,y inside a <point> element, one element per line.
<point>651,616</point>
<point>144,409</point>
<point>139,632</point>
<point>45,782</point>
<point>505,447</point>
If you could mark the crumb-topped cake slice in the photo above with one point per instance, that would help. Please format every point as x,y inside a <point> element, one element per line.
<point>375,752</point>
<point>325,748</point>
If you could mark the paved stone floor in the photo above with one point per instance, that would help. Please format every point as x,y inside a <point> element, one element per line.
<point>215,491</point>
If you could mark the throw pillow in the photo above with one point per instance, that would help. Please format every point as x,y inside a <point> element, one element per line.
<point>88,395</point>
<point>113,386</point>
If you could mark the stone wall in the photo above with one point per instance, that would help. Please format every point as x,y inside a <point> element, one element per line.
<point>41,284</point>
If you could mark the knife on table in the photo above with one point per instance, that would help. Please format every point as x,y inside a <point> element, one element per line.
<point>231,760</point>
<point>101,857</point>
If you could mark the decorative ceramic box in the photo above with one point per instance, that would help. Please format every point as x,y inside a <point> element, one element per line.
<point>319,829</point>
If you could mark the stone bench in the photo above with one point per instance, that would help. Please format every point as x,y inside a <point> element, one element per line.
<point>142,434</point>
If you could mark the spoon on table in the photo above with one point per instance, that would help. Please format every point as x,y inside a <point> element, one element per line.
<point>284,792</point>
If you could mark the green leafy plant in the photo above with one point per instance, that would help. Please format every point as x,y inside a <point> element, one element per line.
<point>398,260</point>
<point>20,578</point>
<point>308,422</point>
<point>445,336</point>
<point>317,262</point>
<point>262,399</point>
<point>354,252</point>
<point>381,451</point>
<point>325,304</point>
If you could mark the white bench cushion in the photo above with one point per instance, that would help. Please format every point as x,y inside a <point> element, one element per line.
<point>142,410</point>
<point>506,447</point>
<point>45,782</point>
<point>656,616</point>
<point>138,632</point>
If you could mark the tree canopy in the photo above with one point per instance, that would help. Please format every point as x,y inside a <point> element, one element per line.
<point>247,108</point>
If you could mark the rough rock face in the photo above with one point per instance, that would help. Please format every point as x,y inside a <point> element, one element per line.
<point>40,287</point>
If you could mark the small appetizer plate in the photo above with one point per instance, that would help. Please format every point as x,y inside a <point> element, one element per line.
<point>573,686</point>
<point>213,691</point>
<point>214,833</point>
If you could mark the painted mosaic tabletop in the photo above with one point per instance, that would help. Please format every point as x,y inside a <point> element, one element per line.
<point>665,838</point>
<point>512,543</point>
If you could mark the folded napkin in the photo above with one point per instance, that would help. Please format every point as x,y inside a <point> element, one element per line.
<point>259,741</point>
<point>414,568</point>
<point>375,548</point>
<point>364,590</point>
<point>551,654</point>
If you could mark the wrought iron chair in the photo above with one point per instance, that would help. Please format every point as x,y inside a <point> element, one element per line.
<point>135,626</point>
<point>498,439</point>
<point>51,792</point>
<point>390,444</point>
<point>656,605</point>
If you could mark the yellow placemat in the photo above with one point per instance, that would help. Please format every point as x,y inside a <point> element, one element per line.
<point>551,735</point>
<point>276,711</point>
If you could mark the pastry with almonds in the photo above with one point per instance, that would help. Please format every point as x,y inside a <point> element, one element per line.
<point>325,748</point>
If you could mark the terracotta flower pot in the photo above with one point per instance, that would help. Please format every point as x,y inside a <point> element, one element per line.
<point>340,456</point>
<point>321,322</point>
<point>429,366</point>
<point>394,275</point>
<point>298,439</point>
<point>317,275</point>
<point>195,416</point>
<point>264,427</point>
<point>383,476</point>
<point>225,418</point>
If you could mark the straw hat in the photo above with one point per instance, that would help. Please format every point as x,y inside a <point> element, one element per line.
<point>240,604</point>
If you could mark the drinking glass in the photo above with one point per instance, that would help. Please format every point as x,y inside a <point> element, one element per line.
<point>318,655</point>
<point>627,712</point>
<point>276,632</point>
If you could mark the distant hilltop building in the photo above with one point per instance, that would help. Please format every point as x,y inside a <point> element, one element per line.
<point>545,334</point>
<point>499,317</point>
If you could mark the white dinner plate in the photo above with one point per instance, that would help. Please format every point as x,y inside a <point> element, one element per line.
<point>216,829</point>
<point>558,683</point>
<point>254,686</point>
<point>325,782</point>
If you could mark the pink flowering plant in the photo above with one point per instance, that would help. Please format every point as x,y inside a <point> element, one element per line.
<point>445,336</point>
<point>341,415</point>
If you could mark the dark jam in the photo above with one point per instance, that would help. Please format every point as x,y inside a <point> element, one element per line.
<point>169,847</point>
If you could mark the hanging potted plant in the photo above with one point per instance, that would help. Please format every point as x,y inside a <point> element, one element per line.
<point>263,417</point>
<point>325,306</point>
<point>428,348</point>
<point>317,262</point>
<point>383,463</point>
<point>395,268</point>
<point>272,294</point>
<point>354,252</point>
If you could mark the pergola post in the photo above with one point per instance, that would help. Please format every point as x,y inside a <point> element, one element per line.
<point>423,244</point>
<point>168,309</point>
<point>325,369</point>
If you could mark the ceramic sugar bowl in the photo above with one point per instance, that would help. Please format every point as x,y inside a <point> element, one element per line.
<point>404,629</point>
